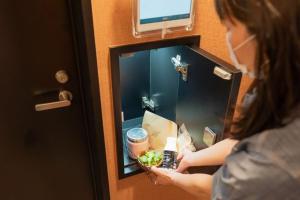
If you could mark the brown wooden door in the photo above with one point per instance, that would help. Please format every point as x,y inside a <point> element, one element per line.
<point>43,155</point>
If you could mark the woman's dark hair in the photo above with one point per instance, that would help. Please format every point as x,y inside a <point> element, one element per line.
<point>276,24</point>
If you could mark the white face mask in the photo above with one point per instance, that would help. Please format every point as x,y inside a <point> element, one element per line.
<point>243,68</point>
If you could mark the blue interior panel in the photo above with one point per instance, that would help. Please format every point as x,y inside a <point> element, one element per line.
<point>135,82</point>
<point>164,81</point>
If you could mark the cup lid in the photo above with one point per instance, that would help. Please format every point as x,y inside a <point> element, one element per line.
<point>137,135</point>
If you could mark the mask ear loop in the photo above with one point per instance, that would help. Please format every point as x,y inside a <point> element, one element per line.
<point>245,42</point>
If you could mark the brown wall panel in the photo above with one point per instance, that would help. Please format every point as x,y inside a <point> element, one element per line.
<point>112,24</point>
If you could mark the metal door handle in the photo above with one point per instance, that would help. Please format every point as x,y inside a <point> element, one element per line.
<point>64,97</point>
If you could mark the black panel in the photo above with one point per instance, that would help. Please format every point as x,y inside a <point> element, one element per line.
<point>164,81</point>
<point>135,82</point>
<point>203,100</point>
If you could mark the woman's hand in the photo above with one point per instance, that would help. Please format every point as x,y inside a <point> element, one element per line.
<point>214,155</point>
<point>186,158</point>
<point>198,184</point>
<point>163,176</point>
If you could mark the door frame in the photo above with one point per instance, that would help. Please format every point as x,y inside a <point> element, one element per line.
<point>80,12</point>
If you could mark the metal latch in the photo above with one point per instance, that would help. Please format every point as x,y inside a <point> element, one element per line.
<point>180,67</point>
<point>148,104</point>
<point>209,136</point>
<point>222,73</point>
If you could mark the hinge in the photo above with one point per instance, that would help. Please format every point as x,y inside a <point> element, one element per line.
<point>180,67</point>
<point>148,104</point>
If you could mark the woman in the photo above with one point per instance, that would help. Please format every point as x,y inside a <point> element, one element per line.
<point>262,158</point>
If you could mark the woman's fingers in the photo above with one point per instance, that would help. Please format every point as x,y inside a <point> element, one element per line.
<point>180,168</point>
<point>154,170</point>
<point>158,171</point>
<point>185,158</point>
<point>180,156</point>
<point>163,176</point>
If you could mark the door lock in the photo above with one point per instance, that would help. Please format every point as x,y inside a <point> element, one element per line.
<point>61,76</point>
<point>65,98</point>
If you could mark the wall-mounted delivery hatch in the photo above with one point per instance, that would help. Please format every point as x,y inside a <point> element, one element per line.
<point>174,79</point>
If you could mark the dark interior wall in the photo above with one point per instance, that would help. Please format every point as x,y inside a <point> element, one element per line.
<point>164,81</point>
<point>152,74</point>
<point>135,83</point>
